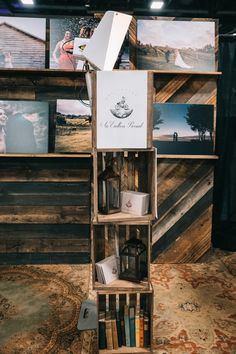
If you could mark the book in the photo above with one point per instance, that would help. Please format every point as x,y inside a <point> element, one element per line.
<point>122,324</point>
<point>141,325</point>
<point>114,330</point>
<point>119,328</point>
<point>137,325</point>
<point>109,338</point>
<point>126,322</point>
<point>107,269</point>
<point>146,331</point>
<point>132,326</point>
<point>102,330</point>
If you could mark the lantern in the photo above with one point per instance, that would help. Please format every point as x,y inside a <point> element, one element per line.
<point>133,260</point>
<point>109,191</point>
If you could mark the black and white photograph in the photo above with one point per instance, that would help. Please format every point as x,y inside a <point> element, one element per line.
<point>183,128</point>
<point>176,45</point>
<point>23,127</point>
<point>22,42</point>
<point>73,126</point>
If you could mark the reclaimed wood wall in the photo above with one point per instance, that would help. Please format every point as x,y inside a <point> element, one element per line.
<point>182,232</point>
<point>44,210</point>
<point>44,201</point>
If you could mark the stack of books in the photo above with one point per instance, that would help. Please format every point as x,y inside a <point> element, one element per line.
<point>129,326</point>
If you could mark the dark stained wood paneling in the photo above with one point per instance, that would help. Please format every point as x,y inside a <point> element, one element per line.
<point>184,195</point>
<point>44,209</point>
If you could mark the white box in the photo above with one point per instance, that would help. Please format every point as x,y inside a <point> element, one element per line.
<point>136,203</point>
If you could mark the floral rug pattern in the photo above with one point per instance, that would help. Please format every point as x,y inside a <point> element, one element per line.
<point>194,308</point>
<point>39,309</point>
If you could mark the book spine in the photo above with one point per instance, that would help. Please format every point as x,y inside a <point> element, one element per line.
<point>122,324</point>
<point>137,324</point>
<point>132,326</point>
<point>102,334</point>
<point>109,331</point>
<point>141,325</point>
<point>146,331</point>
<point>126,321</point>
<point>119,328</point>
<point>114,332</point>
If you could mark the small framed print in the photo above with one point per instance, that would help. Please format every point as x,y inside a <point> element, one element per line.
<point>122,106</point>
<point>185,129</point>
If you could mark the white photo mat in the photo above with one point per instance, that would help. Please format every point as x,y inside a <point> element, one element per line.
<point>121,112</point>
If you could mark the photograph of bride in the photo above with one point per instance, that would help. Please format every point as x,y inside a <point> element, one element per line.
<point>176,45</point>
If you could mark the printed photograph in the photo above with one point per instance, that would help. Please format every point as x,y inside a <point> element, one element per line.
<point>176,45</point>
<point>62,35</point>
<point>22,42</point>
<point>23,127</point>
<point>186,129</point>
<point>121,109</point>
<point>73,126</point>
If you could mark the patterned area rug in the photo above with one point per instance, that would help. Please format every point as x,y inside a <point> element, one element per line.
<point>39,309</point>
<point>195,307</point>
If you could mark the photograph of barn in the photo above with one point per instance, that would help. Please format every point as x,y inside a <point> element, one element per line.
<point>73,126</point>
<point>176,45</point>
<point>183,128</point>
<point>22,42</point>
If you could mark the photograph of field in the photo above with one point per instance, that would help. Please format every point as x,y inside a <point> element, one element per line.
<point>186,129</point>
<point>176,45</point>
<point>73,127</point>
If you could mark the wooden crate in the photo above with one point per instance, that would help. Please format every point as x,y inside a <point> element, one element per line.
<point>137,170</point>
<point>107,239</point>
<point>117,300</point>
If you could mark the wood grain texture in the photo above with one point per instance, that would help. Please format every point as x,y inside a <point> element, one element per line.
<point>45,209</point>
<point>184,190</point>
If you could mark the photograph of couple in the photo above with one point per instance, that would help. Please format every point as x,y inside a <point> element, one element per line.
<point>176,45</point>
<point>23,127</point>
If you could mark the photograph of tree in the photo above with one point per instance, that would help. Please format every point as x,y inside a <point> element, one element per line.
<point>22,42</point>
<point>186,129</point>
<point>73,126</point>
<point>176,45</point>
<point>23,127</point>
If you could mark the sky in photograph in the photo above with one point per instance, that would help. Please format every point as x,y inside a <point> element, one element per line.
<point>73,107</point>
<point>173,116</point>
<point>176,34</point>
<point>34,26</point>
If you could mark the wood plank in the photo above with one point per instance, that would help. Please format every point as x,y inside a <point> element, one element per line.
<point>192,243</point>
<point>44,231</point>
<point>122,285</point>
<point>177,156</point>
<point>44,258</point>
<point>123,218</point>
<point>44,215</point>
<point>43,245</point>
<point>62,175</point>
<point>46,199</point>
<point>171,87</point>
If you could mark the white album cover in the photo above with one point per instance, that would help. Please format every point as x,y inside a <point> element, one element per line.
<point>121,120</point>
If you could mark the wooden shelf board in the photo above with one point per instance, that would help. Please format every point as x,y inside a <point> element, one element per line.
<point>48,155</point>
<point>123,218</point>
<point>175,156</point>
<point>34,71</point>
<point>121,286</point>
<point>128,350</point>
<point>177,72</point>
